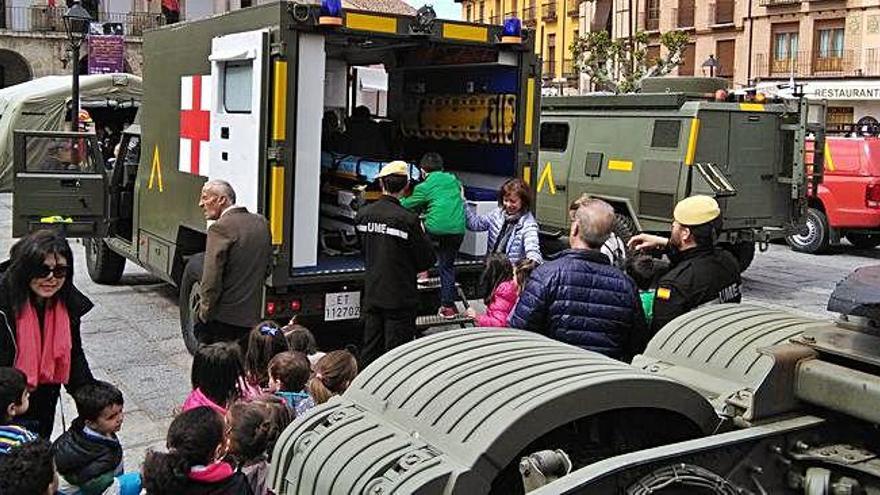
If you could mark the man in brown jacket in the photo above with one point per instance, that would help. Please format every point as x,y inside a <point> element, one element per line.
<point>237,257</point>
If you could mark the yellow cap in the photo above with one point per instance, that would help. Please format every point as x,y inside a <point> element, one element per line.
<point>696,210</point>
<point>397,167</point>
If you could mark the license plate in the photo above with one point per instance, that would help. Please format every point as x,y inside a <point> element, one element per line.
<point>342,306</point>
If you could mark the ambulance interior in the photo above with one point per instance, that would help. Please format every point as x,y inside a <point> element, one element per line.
<point>458,101</point>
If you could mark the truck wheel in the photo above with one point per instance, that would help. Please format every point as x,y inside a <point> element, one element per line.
<point>863,241</point>
<point>190,284</point>
<point>814,238</point>
<point>104,265</point>
<point>744,252</point>
<point>623,227</point>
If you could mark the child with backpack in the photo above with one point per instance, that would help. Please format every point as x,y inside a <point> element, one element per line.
<point>289,373</point>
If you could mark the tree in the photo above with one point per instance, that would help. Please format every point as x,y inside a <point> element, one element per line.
<point>621,65</point>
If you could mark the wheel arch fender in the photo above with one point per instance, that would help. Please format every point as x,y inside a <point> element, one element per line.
<point>188,243</point>
<point>622,206</point>
<point>456,423</point>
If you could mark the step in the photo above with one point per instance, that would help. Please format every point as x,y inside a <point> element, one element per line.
<point>429,321</point>
<point>431,283</point>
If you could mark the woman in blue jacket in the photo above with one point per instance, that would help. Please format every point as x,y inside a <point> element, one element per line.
<point>512,227</point>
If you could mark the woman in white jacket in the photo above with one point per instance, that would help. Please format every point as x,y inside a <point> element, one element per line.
<point>512,227</point>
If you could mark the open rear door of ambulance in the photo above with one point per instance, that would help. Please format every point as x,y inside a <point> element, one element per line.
<point>239,73</point>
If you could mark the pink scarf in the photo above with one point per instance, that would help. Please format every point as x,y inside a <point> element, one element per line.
<point>43,356</point>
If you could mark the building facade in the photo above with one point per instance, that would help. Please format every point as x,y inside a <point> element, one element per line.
<point>830,47</point>
<point>555,24</point>
<point>716,28</point>
<point>33,42</point>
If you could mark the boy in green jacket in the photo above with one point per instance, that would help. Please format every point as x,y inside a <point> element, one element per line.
<point>439,196</point>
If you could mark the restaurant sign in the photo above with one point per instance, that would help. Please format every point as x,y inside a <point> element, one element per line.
<point>844,90</point>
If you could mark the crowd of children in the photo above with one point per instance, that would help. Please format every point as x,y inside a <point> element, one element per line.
<point>220,442</point>
<point>222,439</point>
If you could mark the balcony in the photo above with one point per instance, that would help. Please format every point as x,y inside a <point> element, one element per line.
<point>684,17</point>
<point>134,23</point>
<point>43,19</point>
<point>548,12</point>
<point>48,19</point>
<point>774,3</point>
<point>528,16</point>
<point>548,70</point>
<point>569,71</point>
<point>721,12</point>
<point>573,7</point>
<point>809,64</point>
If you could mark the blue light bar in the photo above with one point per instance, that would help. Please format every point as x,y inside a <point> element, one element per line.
<point>331,13</point>
<point>512,31</point>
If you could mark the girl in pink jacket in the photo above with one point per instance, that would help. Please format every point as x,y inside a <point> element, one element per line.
<point>503,283</point>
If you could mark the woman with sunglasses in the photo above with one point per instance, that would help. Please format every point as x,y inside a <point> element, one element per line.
<point>40,313</point>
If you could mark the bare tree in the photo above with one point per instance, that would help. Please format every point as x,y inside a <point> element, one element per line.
<point>621,65</point>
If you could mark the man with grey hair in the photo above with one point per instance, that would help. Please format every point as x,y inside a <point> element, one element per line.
<point>237,254</point>
<point>579,298</point>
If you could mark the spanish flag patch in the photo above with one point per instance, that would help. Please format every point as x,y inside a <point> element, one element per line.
<point>663,293</point>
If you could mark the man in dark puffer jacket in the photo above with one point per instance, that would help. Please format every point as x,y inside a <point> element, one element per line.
<point>579,298</point>
<point>89,455</point>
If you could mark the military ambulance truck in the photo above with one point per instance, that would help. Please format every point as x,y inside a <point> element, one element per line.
<point>242,97</point>
<point>644,152</point>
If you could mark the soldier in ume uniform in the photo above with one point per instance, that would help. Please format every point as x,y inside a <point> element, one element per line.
<point>701,273</point>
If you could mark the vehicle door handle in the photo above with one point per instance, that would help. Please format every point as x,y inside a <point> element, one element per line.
<point>767,176</point>
<point>560,188</point>
<point>73,183</point>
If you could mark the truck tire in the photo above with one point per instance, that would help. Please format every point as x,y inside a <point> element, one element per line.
<point>190,284</point>
<point>104,265</point>
<point>623,227</point>
<point>744,252</point>
<point>814,240</point>
<point>863,241</point>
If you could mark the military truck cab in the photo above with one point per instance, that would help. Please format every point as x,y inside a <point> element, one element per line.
<point>644,152</point>
<point>265,98</point>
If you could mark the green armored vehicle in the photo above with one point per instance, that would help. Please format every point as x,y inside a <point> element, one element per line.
<point>255,97</point>
<point>644,152</point>
<point>727,399</point>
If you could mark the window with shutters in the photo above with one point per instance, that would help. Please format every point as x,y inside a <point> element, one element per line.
<point>725,52</point>
<point>688,58</point>
<point>828,49</point>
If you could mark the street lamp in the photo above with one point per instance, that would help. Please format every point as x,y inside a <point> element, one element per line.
<point>712,63</point>
<point>76,24</point>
